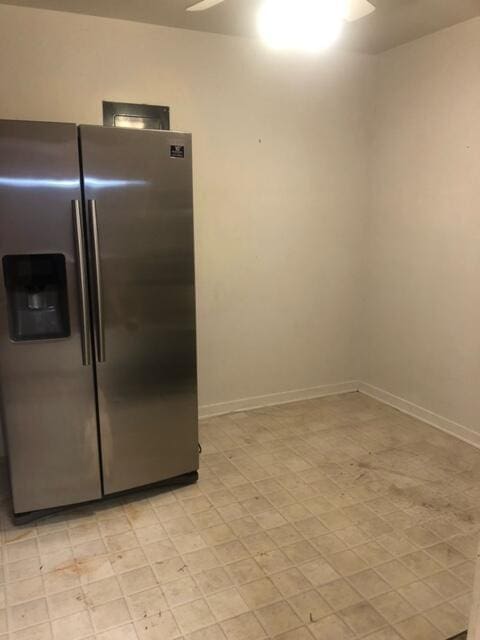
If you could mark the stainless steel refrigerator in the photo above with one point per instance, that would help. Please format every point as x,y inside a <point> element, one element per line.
<point>97,311</point>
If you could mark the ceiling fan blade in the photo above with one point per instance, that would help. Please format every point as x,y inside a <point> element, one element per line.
<point>203,5</point>
<point>357,9</point>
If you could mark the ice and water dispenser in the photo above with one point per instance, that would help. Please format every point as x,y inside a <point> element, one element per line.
<point>37,299</point>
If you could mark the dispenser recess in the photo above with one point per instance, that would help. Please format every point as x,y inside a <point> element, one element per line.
<point>37,300</point>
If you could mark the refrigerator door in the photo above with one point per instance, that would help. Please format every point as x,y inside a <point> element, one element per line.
<point>138,191</point>
<point>47,386</point>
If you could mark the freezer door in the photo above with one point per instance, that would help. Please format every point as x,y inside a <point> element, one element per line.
<point>47,386</point>
<point>138,189</point>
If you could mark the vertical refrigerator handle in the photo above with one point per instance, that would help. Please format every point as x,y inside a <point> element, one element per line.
<point>97,277</point>
<point>82,281</point>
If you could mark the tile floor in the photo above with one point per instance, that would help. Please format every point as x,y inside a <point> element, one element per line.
<point>331,519</point>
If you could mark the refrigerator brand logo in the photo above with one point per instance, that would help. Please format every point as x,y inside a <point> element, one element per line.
<point>177,151</point>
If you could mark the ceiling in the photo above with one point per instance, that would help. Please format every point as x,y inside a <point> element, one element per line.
<point>393,23</point>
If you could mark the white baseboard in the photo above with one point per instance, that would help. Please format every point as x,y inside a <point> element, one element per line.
<point>256,402</point>
<point>405,406</point>
<point>449,426</point>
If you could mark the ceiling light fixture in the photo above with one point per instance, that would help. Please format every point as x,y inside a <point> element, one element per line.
<point>305,25</point>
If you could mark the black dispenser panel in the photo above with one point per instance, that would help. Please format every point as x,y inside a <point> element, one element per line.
<point>36,296</point>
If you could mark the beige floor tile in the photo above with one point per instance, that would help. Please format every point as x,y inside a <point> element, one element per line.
<point>121,542</point>
<point>21,550</point>
<point>273,561</point>
<point>208,633</point>
<point>421,537</point>
<point>192,616</point>
<point>362,618</point>
<point>213,580</point>
<point>334,520</point>
<point>463,603</point>
<point>169,512</point>
<point>447,619</point>
<point>97,593</point>
<point>352,536</point>
<point>384,634</point>
<point>373,553</point>
<point>73,627</point>
<point>288,501</point>
<point>421,564</point>
<point>56,581</point>
<point>466,573</point>
<point>137,580</point>
<point>218,535</point>
<point>172,569</point>
<point>84,533</point>
<point>243,627</point>
<point>310,606</point>
<point>419,628</point>
<point>232,511</point>
<point>396,544</point>
<point>244,571</point>
<point>301,633</point>
<point>38,632</point>
<point>331,628</point>
<point>189,542</point>
<point>328,544</point>
<point>278,618</point>
<point>110,614</point>
<point>259,543</point>
<point>197,504</point>
<point>347,562</point>
<point>245,526</point>
<point>270,519</point>
<point>181,591</point>
<point>300,551</point>
<point>152,533</point>
<point>420,595</point>
<point>445,554</point>
<point>285,535</point>
<point>232,551</point>
<point>53,542</point>
<point>28,613</point>
<point>157,627</point>
<point>339,594</point>
<point>393,607</point>
<point>24,590</point>
<point>67,602</point>
<point>227,604</point>
<point>310,526</point>
<point>206,519</point>
<point>176,527</point>
<point>395,573</point>
<point>112,526</point>
<point>257,504</point>
<point>369,583</point>
<point>290,582</point>
<point>446,584</point>
<point>319,572</point>
<point>125,632</point>
<point>155,552</point>
<point>259,593</point>
<point>146,603</point>
<point>200,560</point>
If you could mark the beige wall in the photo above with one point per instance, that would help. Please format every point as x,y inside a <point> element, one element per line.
<point>422,303</point>
<point>345,244</point>
<point>277,221</point>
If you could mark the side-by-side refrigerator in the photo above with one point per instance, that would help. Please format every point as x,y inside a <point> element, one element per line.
<point>97,311</point>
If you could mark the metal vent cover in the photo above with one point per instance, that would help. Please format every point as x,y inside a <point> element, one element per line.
<point>135,116</point>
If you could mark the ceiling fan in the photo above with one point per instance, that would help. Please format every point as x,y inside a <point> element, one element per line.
<point>356,9</point>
